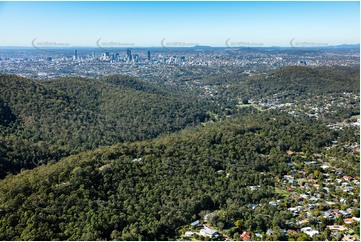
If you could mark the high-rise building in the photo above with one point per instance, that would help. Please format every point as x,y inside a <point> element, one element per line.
<point>129,54</point>
<point>148,55</point>
<point>106,56</point>
<point>136,57</point>
<point>75,57</point>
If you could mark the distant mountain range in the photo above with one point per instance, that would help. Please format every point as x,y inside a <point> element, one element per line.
<point>203,47</point>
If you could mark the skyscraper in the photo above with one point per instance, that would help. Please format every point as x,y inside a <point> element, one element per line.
<point>129,54</point>
<point>148,55</point>
<point>136,57</point>
<point>75,57</point>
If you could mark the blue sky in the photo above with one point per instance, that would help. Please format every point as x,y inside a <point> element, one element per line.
<point>204,23</point>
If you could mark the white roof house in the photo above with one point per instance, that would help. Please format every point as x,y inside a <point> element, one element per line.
<point>189,233</point>
<point>325,167</point>
<point>336,227</point>
<point>208,232</point>
<point>309,231</point>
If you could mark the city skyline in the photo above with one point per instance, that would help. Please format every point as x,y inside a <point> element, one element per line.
<point>179,24</point>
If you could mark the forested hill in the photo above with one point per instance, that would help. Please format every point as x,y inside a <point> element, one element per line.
<point>301,81</point>
<point>160,174</point>
<point>93,93</point>
<point>293,82</point>
<point>42,121</point>
<point>147,190</point>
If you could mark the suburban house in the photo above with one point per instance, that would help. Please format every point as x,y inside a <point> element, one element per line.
<point>208,232</point>
<point>246,236</point>
<point>336,227</point>
<point>347,178</point>
<point>195,223</point>
<point>345,213</point>
<point>309,231</point>
<point>348,221</point>
<point>290,152</point>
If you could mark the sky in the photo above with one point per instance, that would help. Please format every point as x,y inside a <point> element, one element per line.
<point>177,24</point>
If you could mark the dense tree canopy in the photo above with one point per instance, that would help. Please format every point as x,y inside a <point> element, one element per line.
<point>42,121</point>
<point>146,190</point>
<point>117,158</point>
